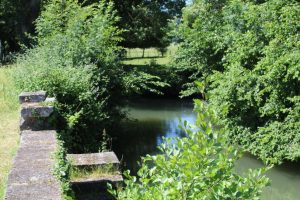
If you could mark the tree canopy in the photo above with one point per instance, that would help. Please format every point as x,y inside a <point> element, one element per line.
<point>16,18</point>
<point>247,53</point>
<point>144,21</point>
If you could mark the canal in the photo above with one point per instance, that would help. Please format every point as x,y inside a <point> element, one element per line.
<point>151,120</point>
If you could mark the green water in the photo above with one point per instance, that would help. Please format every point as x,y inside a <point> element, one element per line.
<point>285,179</point>
<point>155,119</point>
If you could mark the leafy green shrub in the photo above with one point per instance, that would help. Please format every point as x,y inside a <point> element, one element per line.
<point>248,54</point>
<point>202,48</point>
<point>200,166</point>
<point>260,88</point>
<point>140,82</point>
<point>76,62</point>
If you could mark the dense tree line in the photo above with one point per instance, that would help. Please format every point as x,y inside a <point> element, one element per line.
<point>16,18</point>
<point>144,22</point>
<point>247,54</point>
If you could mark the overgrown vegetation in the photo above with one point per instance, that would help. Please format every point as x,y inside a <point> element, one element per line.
<point>92,172</point>
<point>76,66</point>
<point>157,65</point>
<point>200,166</point>
<point>245,52</point>
<point>248,54</point>
<point>9,118</point>
<point>62,171</point>
<point>76,61</point>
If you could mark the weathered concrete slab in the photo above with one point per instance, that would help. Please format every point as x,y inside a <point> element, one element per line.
<point>35,110</point>
<point>45,191</point>
<point>36,124</point>
<point>35,116</point>
<point>26,97</point>
<point>93,159</point>
<point>35,137</point>
<point>31,177</point>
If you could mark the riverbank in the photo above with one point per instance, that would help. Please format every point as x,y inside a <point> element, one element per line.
<point>9,119</point>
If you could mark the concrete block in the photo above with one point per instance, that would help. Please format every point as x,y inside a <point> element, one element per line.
<point>31,97</point>
<point>93,159</point>
<point>36,124</point>
<point>35,110</point>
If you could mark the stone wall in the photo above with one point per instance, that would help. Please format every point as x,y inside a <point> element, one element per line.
<point>31,177</point>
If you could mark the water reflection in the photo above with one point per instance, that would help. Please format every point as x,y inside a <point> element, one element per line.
<point>152,120</point>
<point>160,118</point>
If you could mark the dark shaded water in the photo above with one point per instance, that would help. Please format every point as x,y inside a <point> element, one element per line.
<point>151,121</point>
<point>155,119</point>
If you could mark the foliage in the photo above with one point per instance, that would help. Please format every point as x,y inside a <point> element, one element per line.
<point>140,82</point>
<point>145,22</point>
<point>76,61</point>
<point>106,142</point>
<point>62,171</point>
<point>201,49</point>
<point>163,78</point>
<point>16,17</point>
<point>254,71</point>
<point>200,166</point>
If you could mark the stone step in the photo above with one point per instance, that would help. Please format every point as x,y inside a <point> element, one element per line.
<point>36,124</point>
<point>89,163</point>
<point>26,97</point>
<point>93,159</point>
<point>35,116</point>
<point>36,110</point>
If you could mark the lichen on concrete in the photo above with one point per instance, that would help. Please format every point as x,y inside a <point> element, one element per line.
<point>31,177</point>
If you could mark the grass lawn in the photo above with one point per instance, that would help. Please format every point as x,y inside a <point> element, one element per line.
<point>9,125</point>
<point>134,56</point>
